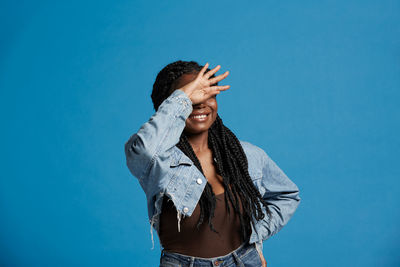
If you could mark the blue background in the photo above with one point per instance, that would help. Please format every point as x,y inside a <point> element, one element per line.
<point>314,83</point>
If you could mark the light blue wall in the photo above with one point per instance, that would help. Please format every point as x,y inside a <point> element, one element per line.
<point>314,83</point>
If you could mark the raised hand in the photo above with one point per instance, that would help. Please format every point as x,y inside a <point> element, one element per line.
<point>200,88</point>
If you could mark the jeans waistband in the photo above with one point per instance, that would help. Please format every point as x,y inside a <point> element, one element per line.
<point>233,256</point>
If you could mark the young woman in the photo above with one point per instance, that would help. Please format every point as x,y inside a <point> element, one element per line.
<point>213,199</point>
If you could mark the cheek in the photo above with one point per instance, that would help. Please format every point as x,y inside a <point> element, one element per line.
<point>212,103</point>
<point>215,110</point>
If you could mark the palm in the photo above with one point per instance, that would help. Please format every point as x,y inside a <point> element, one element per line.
<point>203,92</point>
<point>200,89</point>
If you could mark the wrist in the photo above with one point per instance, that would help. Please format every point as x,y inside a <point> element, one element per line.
<point>186,93</point>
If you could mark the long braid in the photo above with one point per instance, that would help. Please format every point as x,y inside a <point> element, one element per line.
<point>206,207</point>
<point>237,172</point>
<point>231,160</point>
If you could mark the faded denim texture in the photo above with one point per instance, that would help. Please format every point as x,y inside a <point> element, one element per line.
<point>244,256</point>
<point>163,169</point>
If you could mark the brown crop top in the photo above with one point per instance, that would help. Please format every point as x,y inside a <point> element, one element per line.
<point>203,242</point>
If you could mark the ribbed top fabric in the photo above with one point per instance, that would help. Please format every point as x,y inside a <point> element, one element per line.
<point>203,242</point>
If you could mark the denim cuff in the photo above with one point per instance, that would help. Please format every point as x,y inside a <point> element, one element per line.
<point>184,99</point>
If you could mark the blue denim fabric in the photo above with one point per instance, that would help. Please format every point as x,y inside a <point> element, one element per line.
<point>163,169</point>
<point>244,256</point>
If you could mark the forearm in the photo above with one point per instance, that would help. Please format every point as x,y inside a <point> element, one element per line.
<point>282,208</point>
<point>281,195</point>
<point>159,134</point>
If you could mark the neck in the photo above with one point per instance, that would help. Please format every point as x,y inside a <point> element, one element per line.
<point>199,142</point>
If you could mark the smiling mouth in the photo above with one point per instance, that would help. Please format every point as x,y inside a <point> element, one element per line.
<point>199,118</point>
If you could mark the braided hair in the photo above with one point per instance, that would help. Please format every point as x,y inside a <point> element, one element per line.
<point>231,161</point>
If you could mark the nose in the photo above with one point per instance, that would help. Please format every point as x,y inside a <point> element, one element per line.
<point>199,105</point>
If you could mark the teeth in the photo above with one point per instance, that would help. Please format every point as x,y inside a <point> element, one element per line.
<point>199,116</point>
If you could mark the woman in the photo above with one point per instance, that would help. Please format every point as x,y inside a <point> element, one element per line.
<point>212,198</point>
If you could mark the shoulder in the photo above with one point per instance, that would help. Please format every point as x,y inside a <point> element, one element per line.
<point>255,156</point>
<point>252,149</point>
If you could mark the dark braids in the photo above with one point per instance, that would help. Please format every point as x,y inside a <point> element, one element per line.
<point>231,160</point>
<point>163,86</point>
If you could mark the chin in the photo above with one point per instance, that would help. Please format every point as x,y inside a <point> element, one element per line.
<point>196,130</point>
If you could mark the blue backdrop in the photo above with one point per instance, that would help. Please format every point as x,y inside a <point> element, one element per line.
<point>314,83</point>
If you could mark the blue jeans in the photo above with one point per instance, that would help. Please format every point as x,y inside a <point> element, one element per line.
<point>244,256</point>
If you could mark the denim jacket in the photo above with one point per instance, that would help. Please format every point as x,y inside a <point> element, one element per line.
<point>163,169</point>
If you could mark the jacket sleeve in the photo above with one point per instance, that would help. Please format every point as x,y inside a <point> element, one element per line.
<point>159,134</point>
<point>281,195</point>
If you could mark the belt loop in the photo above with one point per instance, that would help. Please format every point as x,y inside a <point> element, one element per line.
<point>191,261</point>
<point>237,259</point>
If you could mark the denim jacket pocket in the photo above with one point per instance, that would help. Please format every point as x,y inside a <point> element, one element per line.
<point>181,173</point>
<point>181,166</point>
<point>180,159</point>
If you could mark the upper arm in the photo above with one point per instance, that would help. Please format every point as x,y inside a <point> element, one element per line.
<point>275,181</point>
<point>137,159</point>
<point>158,135</point>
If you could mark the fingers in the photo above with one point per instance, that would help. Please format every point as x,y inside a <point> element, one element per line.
<point>219,78</point>
<point>201,72</point>
<point>211,72</point>
<point>215,89</point>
